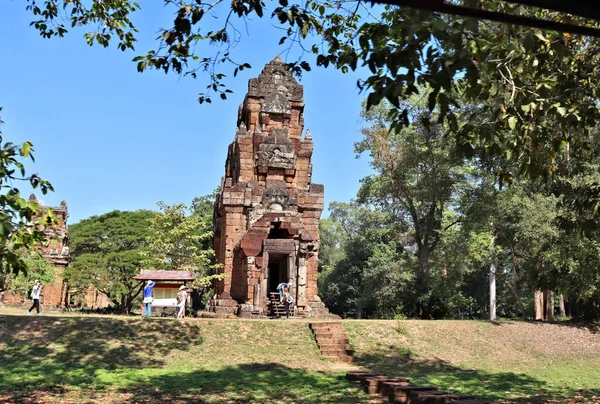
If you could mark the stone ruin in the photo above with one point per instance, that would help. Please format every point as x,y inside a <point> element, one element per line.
<point>55,250</point>
<point>266,218</point>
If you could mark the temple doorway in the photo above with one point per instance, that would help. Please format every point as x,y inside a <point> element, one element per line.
<point>278,271</point>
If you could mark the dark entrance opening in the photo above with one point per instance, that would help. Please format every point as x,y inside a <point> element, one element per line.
<point>277,272</point>
<point>277,232</point>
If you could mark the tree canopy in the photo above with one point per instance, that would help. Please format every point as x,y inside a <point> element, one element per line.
<point>536,89</point>
<point>106,252</point>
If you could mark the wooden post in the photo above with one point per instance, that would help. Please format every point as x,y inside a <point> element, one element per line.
<point>493,315</point>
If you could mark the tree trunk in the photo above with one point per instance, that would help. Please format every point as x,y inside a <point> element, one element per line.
<point>424,260</point>
<point>123,305</point>
<point>493,292</point>
<point>515,293</point>
<point>538,304</point>
<point>549,305</point>
<point>514,288</point>
<point>561,305</point>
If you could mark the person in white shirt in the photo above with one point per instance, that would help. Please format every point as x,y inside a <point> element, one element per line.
<point>35,296</point>
<point>181,301</point>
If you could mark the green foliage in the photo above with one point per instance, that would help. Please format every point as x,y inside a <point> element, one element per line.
<point>22,221</point>
<point>532,93</point>
<point>106,252</point>
<point>179,239</point>
<point>176,238</point>
<point>417,174</point>
<point>38,267</point>
<point>372,273</point>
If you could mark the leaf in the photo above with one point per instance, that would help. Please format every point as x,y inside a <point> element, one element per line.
<point>512,122</point>
<point>26,149</point>
<point>540,36</point>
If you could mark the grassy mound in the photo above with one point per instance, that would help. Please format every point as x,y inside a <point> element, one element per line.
<point>513,361</point>
<point>68,358</point>
<point>113,359</point>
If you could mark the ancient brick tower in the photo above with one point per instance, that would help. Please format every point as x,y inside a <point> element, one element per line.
<point>56,251</point>
<point>267,214</point>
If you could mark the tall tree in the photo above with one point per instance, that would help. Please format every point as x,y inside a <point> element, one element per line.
<point>417,176</point>
<point>369,275</point>
<point>106,253</point>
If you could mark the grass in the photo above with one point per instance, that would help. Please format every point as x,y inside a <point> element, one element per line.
<point>118,359</point>
<point>71,358</point>
<point>510,361</point>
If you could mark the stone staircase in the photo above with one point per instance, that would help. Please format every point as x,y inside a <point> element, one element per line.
<point>397,390</point>
<point>332,340</point>
<point>277,309</point>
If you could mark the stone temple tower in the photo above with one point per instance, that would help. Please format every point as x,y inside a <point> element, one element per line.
<point>266,220</point>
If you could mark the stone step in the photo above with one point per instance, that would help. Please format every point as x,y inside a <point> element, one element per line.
<point>326,326</point>
<point>374,385</point>
<point>340,345</point>
<point>342,358</point>
<point>332,341</point>
<point>338,339</point>
<point>388,386</point>
<point>401,394</point>
<point>360,374</point>
<point>436,397</point>
<point>328,352</point>
<point>329,333</point>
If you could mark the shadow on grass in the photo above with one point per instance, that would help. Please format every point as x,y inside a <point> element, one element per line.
<point>46,352</point>
<point>248,383</point>
<point>508,387</point>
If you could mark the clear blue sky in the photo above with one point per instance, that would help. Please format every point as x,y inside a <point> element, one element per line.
<point>110,138</point>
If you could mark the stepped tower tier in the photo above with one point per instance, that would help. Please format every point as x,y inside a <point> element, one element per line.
<point>266,218</point>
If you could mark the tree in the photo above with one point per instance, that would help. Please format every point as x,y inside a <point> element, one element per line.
<point>417,175</point>
<point>369,273</point>
<point>106,252</point>
<point>22,221</point>
<point>176,240</point>
<point>38,267</point>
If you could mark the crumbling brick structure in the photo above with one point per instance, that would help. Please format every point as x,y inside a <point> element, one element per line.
<point>56,251</point>
<point>266,220</point>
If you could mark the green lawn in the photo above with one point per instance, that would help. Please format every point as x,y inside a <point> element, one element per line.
<point>512,361</point>
<point>70,358</point>
<point>115,359</point>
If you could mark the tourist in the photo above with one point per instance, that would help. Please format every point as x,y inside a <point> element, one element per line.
<point>35,296</point>
<point>287,301</point>
<point>282,288</point>
<point>181,301</point>
<point>148,299</point>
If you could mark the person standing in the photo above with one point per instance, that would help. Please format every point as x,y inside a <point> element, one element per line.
<point>181,301</point>
<point>148,299</point>
<point>287,301</point>
<point>35,296</point>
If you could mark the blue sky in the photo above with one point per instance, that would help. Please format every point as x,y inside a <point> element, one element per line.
<point>110,138</point>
